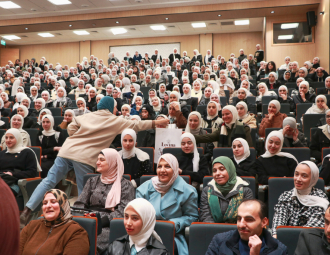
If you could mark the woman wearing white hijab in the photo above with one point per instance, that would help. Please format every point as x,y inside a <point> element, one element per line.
<point>230,129</point>
<point>46,96</point>
<point>62,100</point>
<point>225,83</point>
<point>274,119</point>
<point>292,136</point>
<point>5,98</point>
<point>263,91</point>
<point>136,161</point>
<point>141,238</point>
<point>215,86</point>
<point>98,85</point>
<point>190,161</point>
<point>15,86</point>
<point>127,85</point>
<point>284,98</point>
<point>319,107</point>
<point>18,161</point>
<point>306,204</point>
<point>194,126</point>
<point>274,163</point>
<point>212,119</point>
<point>80,90</point>
<point>50,141</point>
<point>197,57</point>
<point>82,109</point>
<point>135,91</point>
<point>175,115</point>
<point>23,111</point>
<point>304,94</point>
<point>241,154</point>
<point>161,190</point>
<point>197,90</point>
<point>242,94</point>
<point>157,107</point>
<point>320,139</point>
<point>17,121</point>
<point>126,111</point>
<point>18,99</point>
<point>244,115</point>
<point>68,116</point>
<point>188,97</point>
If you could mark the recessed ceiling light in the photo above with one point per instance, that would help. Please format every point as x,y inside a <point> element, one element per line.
<point>158,27</point>
<point>9,5</point>
<point>26,28</point>
<point>60,2</point>
<point>117,22</point>
<point>70,25</point>
<point>272,12</point>
<point>197,25</point>
<point>285,37</point>
<point>46,35</point>
<point>11,37</point>
<point>166,18</point>
<point>118,31</point>
<point>81,32</point>
<point>289,25</point>
<point>242,22</point>
<point>219,15</point>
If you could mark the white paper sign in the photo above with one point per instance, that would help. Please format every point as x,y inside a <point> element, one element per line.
<point>166,138</point>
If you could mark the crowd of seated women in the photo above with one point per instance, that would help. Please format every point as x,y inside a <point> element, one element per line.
<point>188,92</point>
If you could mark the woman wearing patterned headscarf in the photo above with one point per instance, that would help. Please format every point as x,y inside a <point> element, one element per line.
<point>63,235</point>
<point>222,196</point>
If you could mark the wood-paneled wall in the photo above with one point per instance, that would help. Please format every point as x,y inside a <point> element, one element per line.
<point>63,53</point>
<point>205,43</point>
<point>84,50</point>
<point>225,44</point>
<point>297,52</point>
<point>70,53</point>
<point>322,38</point>
<point>8,54</point>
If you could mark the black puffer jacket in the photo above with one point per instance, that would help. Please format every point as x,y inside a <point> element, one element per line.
<point>121,247</point>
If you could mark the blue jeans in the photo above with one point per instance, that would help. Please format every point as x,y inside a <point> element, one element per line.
<point>57,172</point>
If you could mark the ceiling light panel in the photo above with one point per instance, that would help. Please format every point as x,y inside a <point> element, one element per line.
<point>118,31</point>
<point>158,27</point>
<point>9,5</point>
<point>285,37</point>
<point>60,2</point>
<point>46,35</point>
<point>289,25</point>
<point>81,32</point>
<point>242,22</point>
<point>11,37</point>
<point>198,25</point>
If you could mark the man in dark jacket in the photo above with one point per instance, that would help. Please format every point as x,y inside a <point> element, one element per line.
<point>251,237</point>
<point>314,240</point>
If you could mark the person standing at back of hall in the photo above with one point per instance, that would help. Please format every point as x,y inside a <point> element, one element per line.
<point>258,55</point>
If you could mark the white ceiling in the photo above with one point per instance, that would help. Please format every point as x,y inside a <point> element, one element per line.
<point>104,33</point>
<point>43,8</point>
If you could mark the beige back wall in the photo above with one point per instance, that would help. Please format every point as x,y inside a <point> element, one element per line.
<point>63,53</point>
<point>322,35</point>
<point>297,52</point>
<point>225,44</point>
